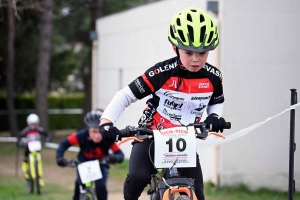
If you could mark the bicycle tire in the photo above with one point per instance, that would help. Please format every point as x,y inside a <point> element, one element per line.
<point>183,197</point>
<point>154,196</point>
<point>89,195</point>
<point>37,178</point>
<point>30,185</point>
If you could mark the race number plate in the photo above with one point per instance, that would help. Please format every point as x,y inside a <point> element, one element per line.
<point>89,171</point>
<point>34,146</point>
<point>175,145</point>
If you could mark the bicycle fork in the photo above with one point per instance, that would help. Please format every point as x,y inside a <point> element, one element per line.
<point>32,161</point>
<point>153,190</point>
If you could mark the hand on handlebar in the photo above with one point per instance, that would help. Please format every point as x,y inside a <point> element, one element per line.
<point>110,132</point>
<point>61,162</point>
<point>112,159</point>
<point>215,123</point>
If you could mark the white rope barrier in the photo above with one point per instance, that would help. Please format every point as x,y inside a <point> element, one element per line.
<point>55,146</point>
<point>8,139</point>
<point>240,133</point>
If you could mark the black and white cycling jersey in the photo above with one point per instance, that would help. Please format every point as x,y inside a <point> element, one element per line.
<point>175,94</point>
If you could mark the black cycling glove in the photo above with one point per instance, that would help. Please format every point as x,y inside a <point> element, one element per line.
<point>112,159</point>
<point>215,123</point>
<point>110,132</point>
<point>61,162</point>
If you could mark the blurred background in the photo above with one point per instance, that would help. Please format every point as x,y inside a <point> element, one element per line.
<point>61,59</point>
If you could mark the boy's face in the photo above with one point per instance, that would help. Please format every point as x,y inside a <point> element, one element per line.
<point>94,134</point>
<point>32,126</point>
<point>192,61</point>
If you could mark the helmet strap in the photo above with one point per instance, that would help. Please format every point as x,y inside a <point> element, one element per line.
<point>177,52</point>
<point>178,65</point>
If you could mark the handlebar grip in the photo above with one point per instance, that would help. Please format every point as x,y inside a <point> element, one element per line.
<point>227,125</point>
<point>124,132</point>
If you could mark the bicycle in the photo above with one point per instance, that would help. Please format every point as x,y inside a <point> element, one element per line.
<point>169,182</point>
<point>87,191</point>
<point>35,171</point>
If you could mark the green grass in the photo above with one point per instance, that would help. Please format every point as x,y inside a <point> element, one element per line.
<point>212,192</point>
<point>12,188</point>
<point>9,148</point>
<point>242,192</point>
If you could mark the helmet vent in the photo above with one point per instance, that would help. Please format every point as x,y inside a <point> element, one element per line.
<point>172,33</point>
<point>191,32</point>
<point>181,36</point>
<point>193,10</point>
<point>202,19</point>
<point>202,33</point>
<point>211,24</point>
<point>210,36</point>
<point>178,22</point>
<point>189,18</point>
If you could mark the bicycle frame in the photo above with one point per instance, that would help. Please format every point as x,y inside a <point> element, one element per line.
<point>35,169</point>
<point>35,156</point>
<point>87,192</point>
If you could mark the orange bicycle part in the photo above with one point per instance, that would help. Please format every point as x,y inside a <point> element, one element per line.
<point>130,138</point>
<point>216,134</point>
<point>176,190</point>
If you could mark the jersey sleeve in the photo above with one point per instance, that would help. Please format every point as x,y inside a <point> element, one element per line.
<point>45,133</point>
<point>117,152</point>
<point>65,144</point>
<point>73,139</point>
<point>142,86</point>
<point>152,79</point>
<point>217,96</point>
<point>115,147</point>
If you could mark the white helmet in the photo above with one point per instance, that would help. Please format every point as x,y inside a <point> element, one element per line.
<point>33,119</point>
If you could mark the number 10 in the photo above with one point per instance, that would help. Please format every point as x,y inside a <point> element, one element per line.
<point>180,140</point>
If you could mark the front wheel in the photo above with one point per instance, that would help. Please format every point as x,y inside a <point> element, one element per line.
<point>29,185</point>
<point>37,177</point>
<point>89,195</point>
<point>183,197</point>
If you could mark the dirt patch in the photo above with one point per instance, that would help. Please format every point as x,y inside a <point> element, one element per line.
<point>61,176</point>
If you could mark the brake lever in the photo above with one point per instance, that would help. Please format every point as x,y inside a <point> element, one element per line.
<point>204,131</point>
<point>201,135</point>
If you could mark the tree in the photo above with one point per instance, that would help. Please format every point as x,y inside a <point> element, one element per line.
<point>10,70</point>
<point>44,52</point>
<point>97,11</point>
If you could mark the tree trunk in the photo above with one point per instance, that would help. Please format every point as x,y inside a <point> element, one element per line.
<point>11,70</point>
<point>96,12</point>
<point>42,73</point>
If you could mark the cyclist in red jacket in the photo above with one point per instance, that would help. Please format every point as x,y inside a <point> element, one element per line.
<point>179,91</point>
<point>92,147</point>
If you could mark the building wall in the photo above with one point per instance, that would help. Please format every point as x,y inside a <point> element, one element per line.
<point>259,47</point>
<point>257,56</point>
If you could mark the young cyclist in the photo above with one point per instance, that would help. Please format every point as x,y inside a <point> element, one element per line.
<point>180,90</point>
<point>92,147</point>
<point>32,133</point>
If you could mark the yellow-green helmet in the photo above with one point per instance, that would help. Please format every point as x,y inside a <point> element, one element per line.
<point>194,30</point>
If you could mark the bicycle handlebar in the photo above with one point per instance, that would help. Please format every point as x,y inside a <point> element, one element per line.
<point>143,132</point>
<point>74,163</point>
